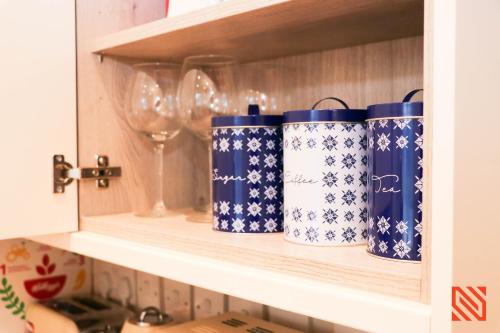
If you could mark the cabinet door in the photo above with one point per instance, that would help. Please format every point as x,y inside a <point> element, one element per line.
<point>37,115</point>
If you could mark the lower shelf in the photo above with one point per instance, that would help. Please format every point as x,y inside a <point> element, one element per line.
<point>335,284</point>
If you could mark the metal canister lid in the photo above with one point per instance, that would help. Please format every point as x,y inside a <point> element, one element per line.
<point>404,109</point>
<point>150,317</point>
<point>325,115</point>
<point>253,118</point>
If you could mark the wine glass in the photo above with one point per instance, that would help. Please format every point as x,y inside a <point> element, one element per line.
<point>208,88</point>
<point>153,111</point>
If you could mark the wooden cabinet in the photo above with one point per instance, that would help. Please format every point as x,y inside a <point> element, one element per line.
<point>38,93</point>
<point>364,51</point>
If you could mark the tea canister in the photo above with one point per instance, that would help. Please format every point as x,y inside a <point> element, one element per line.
<point>247,173</point>
<point>325,170</point>
<point>395,147</point>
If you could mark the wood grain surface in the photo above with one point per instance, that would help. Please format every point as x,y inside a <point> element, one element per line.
<point>345,266</point>
<point>361,75</point>
<point>262,29</point>
<point>101,123</point>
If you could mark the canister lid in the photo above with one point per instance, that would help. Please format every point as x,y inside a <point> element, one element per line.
<point>254,118</point>
<point>397,110</point>
<point>325,115</point>
<point>149,317</point>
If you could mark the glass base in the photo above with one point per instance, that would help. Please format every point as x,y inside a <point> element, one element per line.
<point>200,216</point>
<point>158,210</point>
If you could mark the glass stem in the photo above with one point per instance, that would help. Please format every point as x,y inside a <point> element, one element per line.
<point>210,181</point>
<point>159,206</point>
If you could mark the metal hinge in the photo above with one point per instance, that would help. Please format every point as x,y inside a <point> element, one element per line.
<point>64,173</point>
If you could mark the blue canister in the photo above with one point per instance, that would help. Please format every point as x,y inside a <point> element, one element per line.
<point>247,173</point>
<point>395,166</point>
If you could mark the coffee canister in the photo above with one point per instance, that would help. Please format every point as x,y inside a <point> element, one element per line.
<point>325,170</point>
<point>395,165</point>
<point>247,173</point>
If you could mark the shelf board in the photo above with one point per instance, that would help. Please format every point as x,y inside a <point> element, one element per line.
<point>260,29</point>
<point>333,284</point>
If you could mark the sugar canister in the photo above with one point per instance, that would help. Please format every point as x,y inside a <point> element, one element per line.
<point>325,174</point>
<point>395,165</point>
<point>247,173</point>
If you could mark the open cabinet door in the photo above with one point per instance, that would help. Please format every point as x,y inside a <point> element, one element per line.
<point>37,115</point>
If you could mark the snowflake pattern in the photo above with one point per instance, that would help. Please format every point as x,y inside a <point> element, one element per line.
<point>329,160</point>
<point>402,142</point>
<point>270,225</point>
<point>270,145</point>
<point>311,234</point>
<point>254,193</point>
<point>402,227</point>
<point>311,143</point>
<point>297,214</point>
<point>237,145</point>
<point>260,194</point>
<point>395,234</point>
<point>238,209</point>
<point>329,216</point>
<point>329,179</point>
<point>296,143</point>
<point>224,145</point>
<point>335,198</point>
<point>253,144</point>
<point>238,225</point>
<point>401,249</point>
<point>254,177</point>
<point>348,161</point>
<point>254,160</point>
<point>348,234</point>
<point>383,142</point>
<point>329,143</point>
<point>270,177</point>
<point>270,161</point>
<point>270,192</point>
<point>348,179</point>
<point>348,197</point>
<point>383,224</point>
<point>224,207</point>
<point>330,235</point>
<point>254,209</point>
<point>330,198</point>
<point>270,209</point>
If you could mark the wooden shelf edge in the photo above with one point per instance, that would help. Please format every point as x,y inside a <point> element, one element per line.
<point>278,27</point>
<point>312,298</point>
<point>344,266</point>
<point>184,21</point>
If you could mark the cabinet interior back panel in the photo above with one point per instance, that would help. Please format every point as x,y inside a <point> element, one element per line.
<point>360,75</point>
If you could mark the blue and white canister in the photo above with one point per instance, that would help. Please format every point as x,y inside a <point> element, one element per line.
<point>247,173</point>
<point>395,166</point>
<point>325,172</point>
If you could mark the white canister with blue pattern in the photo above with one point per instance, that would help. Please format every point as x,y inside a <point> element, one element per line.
<point>325,175</point>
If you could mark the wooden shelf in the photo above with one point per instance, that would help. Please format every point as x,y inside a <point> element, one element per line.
<point>327,283</point>
<point>261,29</point>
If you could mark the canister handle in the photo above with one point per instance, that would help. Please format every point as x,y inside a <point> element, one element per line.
<point>410,95</point>
<point>344,104</point>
